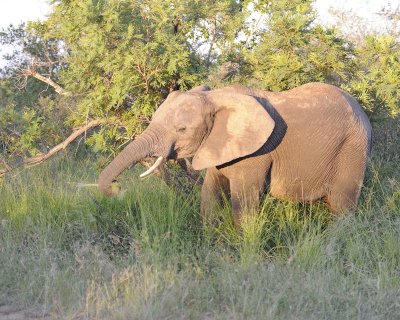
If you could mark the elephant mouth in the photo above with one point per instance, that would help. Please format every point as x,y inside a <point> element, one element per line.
<point>173,153</point>
<point>160,160</point>
<point>180,152</point>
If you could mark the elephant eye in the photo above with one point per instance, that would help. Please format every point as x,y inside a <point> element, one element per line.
<point>181,129</point>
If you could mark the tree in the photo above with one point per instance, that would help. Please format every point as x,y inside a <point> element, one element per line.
<point>376,80</point>
<point>28,108</point>
<point>117,61</point>
<point>292,49</point>
<point>108,64</point>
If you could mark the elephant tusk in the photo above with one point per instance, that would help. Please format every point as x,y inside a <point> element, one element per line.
<point>153,167</point>
<point>84,185</point>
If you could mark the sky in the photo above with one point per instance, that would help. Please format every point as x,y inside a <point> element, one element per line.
<point>16,11</point>
<point>367,9</point>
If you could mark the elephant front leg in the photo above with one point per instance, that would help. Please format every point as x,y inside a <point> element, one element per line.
<point>214,186</point>
<point>245,199</point>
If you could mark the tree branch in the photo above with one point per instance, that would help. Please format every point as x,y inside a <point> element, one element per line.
<point>57,148</point>
<point>65,143</point>
<point>60,90</point>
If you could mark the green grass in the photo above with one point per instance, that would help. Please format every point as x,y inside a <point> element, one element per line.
<point>73,254</point>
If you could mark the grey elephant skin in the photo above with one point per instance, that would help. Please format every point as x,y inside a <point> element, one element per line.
<point>305,144</point>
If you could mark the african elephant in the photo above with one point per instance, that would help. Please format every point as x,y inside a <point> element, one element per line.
<point>308,143</point>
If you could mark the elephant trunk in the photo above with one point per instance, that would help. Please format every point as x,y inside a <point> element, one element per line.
<point>134,152</point>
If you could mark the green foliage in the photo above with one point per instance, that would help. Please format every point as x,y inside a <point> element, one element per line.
<point>32,116</point>
<point>377,83</point>
<point>293,49</point>
<point>120,59</point>
<point>122,56</point>
<point>25,121</point>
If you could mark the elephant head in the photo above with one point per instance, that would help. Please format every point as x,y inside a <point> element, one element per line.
<point>214,127</point>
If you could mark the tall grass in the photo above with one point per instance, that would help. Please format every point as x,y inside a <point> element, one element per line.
<point>71,253</point>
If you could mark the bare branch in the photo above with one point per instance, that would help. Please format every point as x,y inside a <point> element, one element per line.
<point>57,148</point>
<point>60,90</point>
<point>64,144</point>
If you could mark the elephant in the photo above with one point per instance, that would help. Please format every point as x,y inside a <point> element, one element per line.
<point>305,144</point>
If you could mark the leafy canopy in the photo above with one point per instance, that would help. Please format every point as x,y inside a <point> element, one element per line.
<point>118,60</point>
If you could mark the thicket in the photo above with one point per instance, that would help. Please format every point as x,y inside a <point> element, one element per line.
<point>108,64</point>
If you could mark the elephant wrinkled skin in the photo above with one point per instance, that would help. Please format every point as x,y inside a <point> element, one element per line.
<point>304,144</point>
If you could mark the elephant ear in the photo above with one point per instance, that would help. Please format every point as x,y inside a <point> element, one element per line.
<point>241,127</point>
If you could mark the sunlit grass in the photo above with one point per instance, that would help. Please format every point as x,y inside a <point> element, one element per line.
<point>73,253</point>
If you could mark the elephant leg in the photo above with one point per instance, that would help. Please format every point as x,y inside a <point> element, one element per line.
<point>245,198</point>
<point>346,187</point>
<point>342,201</point>
<point>214,186</point>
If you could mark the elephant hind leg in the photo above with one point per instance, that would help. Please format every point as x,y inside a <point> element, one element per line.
<point>345,190</point>
<point>342,200</point>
